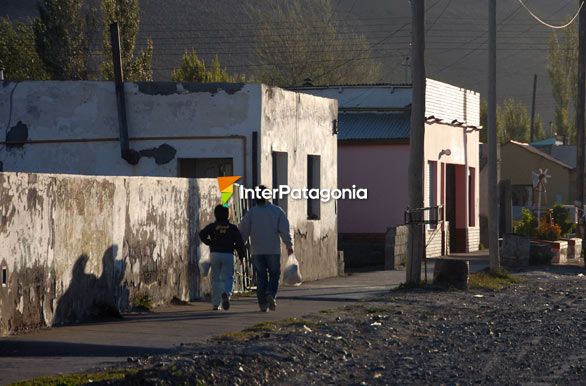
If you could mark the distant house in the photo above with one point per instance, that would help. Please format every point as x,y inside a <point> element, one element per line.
<point>373,152</point>
<point>520,160</point>
<point>265,135</point>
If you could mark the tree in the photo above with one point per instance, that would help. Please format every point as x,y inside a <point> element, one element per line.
<point>301,39</point>
<point>513,122</point>
<point>563,75</point>
<point>193,69</point>
<point>18,55</point>
<point>62,38</point>
<point>136,67</point>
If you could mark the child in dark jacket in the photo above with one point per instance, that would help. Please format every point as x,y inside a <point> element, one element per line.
<point>223,238</point>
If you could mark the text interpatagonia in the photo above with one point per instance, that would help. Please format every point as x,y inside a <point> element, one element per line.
<point>323,195</point>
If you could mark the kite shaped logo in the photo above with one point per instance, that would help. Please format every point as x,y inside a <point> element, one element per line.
<point>226,185</point>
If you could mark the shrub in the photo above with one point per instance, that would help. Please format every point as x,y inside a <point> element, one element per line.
<point>527,226</point>
<point>141,301</point>
<point>548,230</point>
<point>561,216</point>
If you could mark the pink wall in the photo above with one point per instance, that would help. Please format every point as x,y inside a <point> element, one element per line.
<point>383,170</point>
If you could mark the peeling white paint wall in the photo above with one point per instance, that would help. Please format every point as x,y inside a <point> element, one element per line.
<point>72,127</point>
<point>75,244</point>
<point>301,125</point>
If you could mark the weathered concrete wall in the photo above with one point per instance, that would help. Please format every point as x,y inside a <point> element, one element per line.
<point>77,246</point>
<point>72,126</point>
<point>301,125</point>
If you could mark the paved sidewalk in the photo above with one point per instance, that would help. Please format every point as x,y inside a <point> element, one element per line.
<point>81,347</point>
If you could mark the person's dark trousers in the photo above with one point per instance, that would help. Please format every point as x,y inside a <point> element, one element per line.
<point>268,273</point>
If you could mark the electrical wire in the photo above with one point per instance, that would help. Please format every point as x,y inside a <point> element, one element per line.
<point>551,25</point>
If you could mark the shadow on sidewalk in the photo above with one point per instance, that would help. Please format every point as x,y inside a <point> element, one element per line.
<point>20,348</point>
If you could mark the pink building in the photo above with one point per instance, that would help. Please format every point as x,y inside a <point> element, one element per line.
<point>373,152</point>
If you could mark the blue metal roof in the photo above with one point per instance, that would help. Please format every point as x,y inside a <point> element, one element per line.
<point>546,142</point>
<point>374,126</point>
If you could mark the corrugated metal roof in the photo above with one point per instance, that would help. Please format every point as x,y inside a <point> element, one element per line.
<point>373,126</point>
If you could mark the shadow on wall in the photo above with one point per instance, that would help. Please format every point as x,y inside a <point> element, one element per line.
<point>89,297</point>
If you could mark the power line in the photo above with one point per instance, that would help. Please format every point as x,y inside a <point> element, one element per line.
<point>551,25</point>
<point>438,17</point>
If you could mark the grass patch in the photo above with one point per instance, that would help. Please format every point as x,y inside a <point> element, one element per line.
<point>328,312</point>
<point>492,281</point>
<point>78,379</point>
<point>276,325</point>
<point>377,310</point>
<point>409,286</point>
<point>266,327</point>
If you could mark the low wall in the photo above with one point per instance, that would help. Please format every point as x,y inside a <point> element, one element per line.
<point>74,247</point>
<point>397,244</point>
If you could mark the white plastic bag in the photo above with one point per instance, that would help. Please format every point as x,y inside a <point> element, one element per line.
<point>291,273</point>
<point>204,264</point>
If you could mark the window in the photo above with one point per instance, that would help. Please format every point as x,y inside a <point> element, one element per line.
<point>205,167</point>
<point>4,276</point>
<point>521,195</point>
<point>280,176</point>
<point>471,197</point>
<point>432,192</point>
<point>313,182</point>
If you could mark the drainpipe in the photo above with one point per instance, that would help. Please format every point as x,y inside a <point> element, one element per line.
<point>131,156</point>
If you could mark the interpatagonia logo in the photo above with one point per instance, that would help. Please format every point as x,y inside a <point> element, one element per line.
<point>226,185</point>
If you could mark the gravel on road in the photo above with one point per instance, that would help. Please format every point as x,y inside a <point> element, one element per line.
<point>532,332</point>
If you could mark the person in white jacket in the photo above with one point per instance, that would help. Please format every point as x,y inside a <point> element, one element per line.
<point>266,224</point>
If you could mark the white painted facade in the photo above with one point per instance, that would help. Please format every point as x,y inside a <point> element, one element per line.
<point>449,180</point>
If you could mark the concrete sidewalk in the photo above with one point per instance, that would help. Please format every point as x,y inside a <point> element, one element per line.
<point>81,347</point>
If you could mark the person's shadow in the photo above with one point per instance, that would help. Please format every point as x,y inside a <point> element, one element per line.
<point>89,298</point>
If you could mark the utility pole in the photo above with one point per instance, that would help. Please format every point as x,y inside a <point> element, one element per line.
<point>533,108</point>
<point>580,102</point>
<point>493,190</point>
<point>417,137</point>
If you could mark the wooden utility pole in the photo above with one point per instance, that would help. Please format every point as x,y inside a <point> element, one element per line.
<point>416,228</point>
<point>533,108</point>
<point>580,103</point>
<point>493,190</point>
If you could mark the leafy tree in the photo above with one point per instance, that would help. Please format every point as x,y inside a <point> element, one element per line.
<point>513,122</point>
<point>193,69</point>
<point>18,55</point>
<point>62,36</point>
<point>137,67</point>
<point>297,40</point>
<point>563,75</point>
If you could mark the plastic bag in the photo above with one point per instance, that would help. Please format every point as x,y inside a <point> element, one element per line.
<point>204,264</point>
<point>291,273</point>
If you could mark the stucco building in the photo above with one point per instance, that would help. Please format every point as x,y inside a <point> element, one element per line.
<point>50,217</point>
<point>373,151</point>
<point>519,161</point>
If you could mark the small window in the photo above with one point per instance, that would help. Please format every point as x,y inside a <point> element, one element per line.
<point>521,195</point>
<point>205,167</point>
<point>4,276</point>
<point>280,176</point>
<point>313,182</point>
<point>471,197</point>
